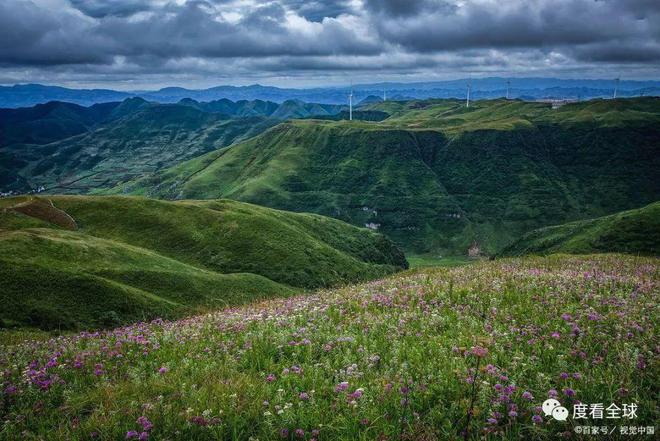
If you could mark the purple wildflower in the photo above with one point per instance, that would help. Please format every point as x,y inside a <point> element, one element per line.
<point>199,420</point>
<point>356,395</point>
<point>145,423</point>
<point>479,351</point>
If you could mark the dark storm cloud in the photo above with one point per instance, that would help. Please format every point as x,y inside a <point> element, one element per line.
<point>407,8</point>
<point>317,10</point>
<point>621,53</point>
<point>120,8</point>
<point>535,23</point>
<point>120,38</point>
<point>31,35</point>
<point>194,31</point>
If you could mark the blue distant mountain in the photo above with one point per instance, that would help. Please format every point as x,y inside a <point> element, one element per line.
<point>24,95</point>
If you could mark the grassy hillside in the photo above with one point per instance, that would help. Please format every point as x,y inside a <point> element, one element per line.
<point>83,261</point>
<point>633,231</point>
<point>468,352</point>
<point>438,177</point>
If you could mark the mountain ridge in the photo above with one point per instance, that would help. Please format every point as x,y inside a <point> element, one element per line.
<point>22,95</point>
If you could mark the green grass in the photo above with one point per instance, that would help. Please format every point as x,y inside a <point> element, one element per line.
<point>436,354</point>
<point>425,261</point>
<point>438,177</point>
<point>634,231</point>
<point>133,258</point>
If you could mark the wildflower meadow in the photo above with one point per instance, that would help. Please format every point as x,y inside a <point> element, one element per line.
<point>469,352</point>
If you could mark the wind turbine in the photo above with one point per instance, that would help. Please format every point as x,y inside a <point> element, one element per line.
<point>384,95</point>
<point>508,88</point>
<point>616,87</point>
<point>350,104</point>
<point>467,100</point>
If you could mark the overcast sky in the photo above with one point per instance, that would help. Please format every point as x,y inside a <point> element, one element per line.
<point>134,44</point>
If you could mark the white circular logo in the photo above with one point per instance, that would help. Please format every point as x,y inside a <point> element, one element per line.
<point>560,413</point>
<point>548,405</point>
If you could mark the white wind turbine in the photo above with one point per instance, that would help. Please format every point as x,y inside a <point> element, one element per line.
<point>616,87</point>
<point>350,104</point>
<point>467,100</point>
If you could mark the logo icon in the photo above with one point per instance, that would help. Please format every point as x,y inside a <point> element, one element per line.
<point>554,408</point>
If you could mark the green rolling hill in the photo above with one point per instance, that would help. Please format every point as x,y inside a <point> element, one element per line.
<point>633,231</point>
<point>436,176</point>
<point>82,261</point>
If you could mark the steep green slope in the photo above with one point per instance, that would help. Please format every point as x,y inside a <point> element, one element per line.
<point>436,176</point>
<point>633,231</point>
<point>123,259</point>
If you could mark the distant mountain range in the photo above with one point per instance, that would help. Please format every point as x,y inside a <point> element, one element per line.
<point>23,95</point>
